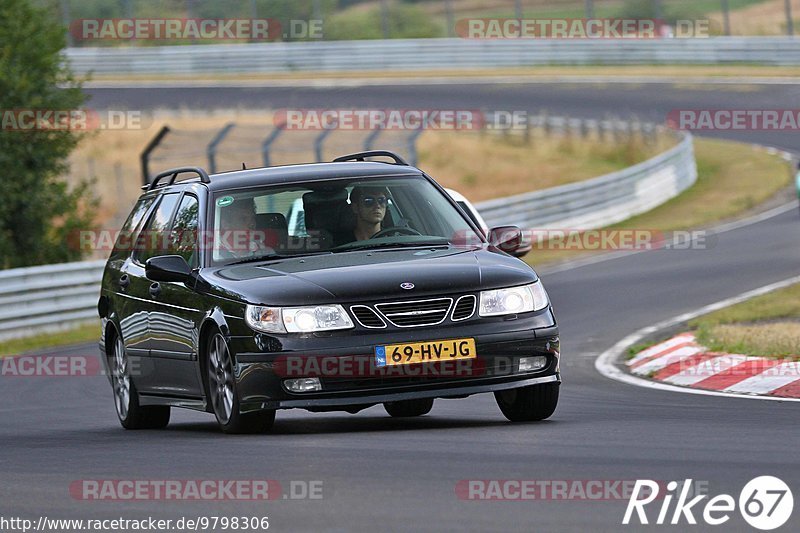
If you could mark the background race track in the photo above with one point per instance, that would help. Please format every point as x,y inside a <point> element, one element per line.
<point>402,474</point>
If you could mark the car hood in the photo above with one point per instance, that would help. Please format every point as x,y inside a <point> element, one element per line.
<point>363,276</point>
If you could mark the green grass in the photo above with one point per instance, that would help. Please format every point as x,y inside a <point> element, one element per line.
<point>768,325</point>
<point>77,335</point>
<point>634,350</point>
<point>784,303</point>
<point>732,178</point>
<point>519,166</point>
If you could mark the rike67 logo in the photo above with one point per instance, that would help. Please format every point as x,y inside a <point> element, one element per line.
<point>765,503</point>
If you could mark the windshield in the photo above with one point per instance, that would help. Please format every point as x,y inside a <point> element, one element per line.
<point>334,217</point>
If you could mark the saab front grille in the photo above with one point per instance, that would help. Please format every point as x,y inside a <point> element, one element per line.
<point>367,317</point>
<point>464,308</point>
<point>416,313</point>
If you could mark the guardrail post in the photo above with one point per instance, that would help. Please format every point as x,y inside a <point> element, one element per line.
<point>319,141</point>
<point>412,146</point>
<point>145,157</point>
<point>265,146</point>
<point>589,9</point>
<point>211,149</point>
<point>448,10</point>
<point>726,17</point>
<point>370,140</point>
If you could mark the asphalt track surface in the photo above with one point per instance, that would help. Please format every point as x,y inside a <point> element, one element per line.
<point>400,475</point>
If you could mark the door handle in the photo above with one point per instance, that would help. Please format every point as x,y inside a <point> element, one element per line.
<point>124,281</point>
<point>155,290</point>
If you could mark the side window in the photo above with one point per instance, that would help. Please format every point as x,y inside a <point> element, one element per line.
<point>153,240</point>
<point>127,233</point>
<point>183,237</point>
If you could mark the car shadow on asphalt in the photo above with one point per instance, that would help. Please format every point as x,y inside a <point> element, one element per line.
<point>327,425</point>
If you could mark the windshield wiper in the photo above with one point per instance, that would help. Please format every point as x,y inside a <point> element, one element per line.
<point>268,257</point>
<point>366,245</point>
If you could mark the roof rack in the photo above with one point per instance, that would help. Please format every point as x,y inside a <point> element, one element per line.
<point>360,156</point>
<point>173,174</point>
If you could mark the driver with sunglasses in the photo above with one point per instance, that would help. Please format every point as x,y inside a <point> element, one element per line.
<point>369,206</point>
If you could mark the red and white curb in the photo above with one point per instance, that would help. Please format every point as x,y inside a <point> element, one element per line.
<point>682,361</point>
<point>611,365</point>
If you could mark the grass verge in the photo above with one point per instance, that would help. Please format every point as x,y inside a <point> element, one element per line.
<point>493,166</point>
<point>768,325</point>
<point>732,179</point>
<point>77,335</point>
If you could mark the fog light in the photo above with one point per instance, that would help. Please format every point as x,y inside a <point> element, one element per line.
<point>526,364</point>
<point>303,384</point>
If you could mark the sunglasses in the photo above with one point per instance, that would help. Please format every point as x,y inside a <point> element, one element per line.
<point>369,201</point>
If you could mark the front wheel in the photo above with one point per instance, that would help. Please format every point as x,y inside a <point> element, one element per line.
<point>223,396</point>
<point>528,404</point>
<point>409,408</point>
<point>126,400</point>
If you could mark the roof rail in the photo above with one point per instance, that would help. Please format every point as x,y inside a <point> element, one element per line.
<point>173,174</point>
<point>359,156</point>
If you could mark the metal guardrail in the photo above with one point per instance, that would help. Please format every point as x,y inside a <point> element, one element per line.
<point>599,201</point>
<point>429,54</point>
<point>55,296</point>
<point>48,298</point>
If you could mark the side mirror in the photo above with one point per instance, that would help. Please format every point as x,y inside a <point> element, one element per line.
<point>167,268</point>
<point>510,240</point>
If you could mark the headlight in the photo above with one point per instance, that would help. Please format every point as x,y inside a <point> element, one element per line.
<point>513,300</point>
<point>297,319</point>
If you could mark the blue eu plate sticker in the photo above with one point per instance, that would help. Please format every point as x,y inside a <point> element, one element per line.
<point>380,356</point>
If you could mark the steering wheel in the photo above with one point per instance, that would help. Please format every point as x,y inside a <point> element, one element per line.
<point>395,230</point>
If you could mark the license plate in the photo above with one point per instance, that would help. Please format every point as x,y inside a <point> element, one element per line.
<point>425,352</point>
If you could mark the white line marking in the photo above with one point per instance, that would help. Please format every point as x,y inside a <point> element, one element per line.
<point>606,362</point>
<point>667,359</point>
<point>666,347</point>
<point>769,380</point>
<point>707,369</point>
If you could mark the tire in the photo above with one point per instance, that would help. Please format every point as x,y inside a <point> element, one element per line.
<point>409,408</point>
<point>528,404</point>
<point>126,400</point>
<point>222,394</point>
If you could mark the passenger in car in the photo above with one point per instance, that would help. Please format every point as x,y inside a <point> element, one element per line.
<point>369,205</point>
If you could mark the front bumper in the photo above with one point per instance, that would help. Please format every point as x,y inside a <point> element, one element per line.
<point>345,365</point>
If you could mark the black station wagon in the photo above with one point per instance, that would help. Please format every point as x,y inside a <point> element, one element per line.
<point>386,293</point>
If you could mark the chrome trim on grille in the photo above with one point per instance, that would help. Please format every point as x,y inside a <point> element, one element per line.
<point>445,312</point>
<point>368,308</point>
<point>471,313</point>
